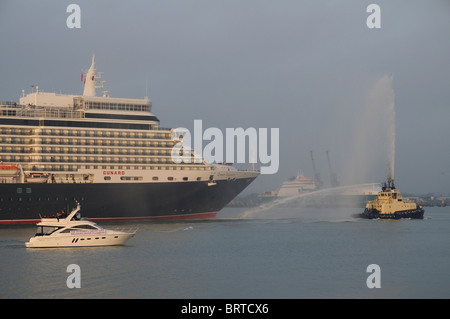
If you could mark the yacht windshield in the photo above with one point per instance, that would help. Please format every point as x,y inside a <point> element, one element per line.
<point>46,230</point>
<point>85,226</point>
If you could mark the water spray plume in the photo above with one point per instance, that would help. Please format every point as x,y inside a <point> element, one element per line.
<point>374,135</point>
<point>305,200</point>
<point>387,96</point>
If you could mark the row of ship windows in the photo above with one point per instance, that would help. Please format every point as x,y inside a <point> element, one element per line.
<point>29,190</point>
<point>89,159</point>
<point>39,199</point>
<point>71,168</point>
<point>85,151</point>
<point>93,142</point>
<point>115,106</point>
<point>154,178</point>
<point>81,133</point>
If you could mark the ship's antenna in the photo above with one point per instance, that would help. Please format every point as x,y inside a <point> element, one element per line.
<point>253,159</point>
<point>146,87</point>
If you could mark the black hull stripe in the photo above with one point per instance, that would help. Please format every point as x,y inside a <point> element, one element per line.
<point>412,213</point>
<point>118,201</point>
<point>25,122</point>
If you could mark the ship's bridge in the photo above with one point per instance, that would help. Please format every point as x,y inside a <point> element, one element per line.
<point>107,108</point>
<point>93,103</point>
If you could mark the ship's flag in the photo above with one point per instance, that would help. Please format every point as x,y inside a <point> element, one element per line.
<point>82,77</point>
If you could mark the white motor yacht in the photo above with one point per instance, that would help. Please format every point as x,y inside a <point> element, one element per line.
<point>72,231</point>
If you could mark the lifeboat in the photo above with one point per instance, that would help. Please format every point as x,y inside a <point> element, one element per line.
<point>9,170</point>
<point>36,178</point>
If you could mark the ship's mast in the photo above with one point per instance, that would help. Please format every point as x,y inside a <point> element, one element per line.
<point>390,179</point>
<point>89,85</point>
<point>91,80</point>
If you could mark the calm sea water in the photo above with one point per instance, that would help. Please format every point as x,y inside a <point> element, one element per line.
<point>276,253</point>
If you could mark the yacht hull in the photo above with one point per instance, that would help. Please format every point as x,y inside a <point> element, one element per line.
<point>87,240</point>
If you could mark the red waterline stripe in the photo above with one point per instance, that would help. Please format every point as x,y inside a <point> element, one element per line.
<point>113,219</point>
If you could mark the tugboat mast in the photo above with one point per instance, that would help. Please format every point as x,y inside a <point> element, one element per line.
<point>390,178</point>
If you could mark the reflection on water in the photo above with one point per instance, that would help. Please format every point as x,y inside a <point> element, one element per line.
<point>307,253</point>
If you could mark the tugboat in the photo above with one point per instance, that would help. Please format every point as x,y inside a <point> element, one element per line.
<point>71,230</point>
<point>390,204</point>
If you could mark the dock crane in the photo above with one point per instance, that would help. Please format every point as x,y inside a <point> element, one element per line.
<point>317,180</point>
<point>333,179</point>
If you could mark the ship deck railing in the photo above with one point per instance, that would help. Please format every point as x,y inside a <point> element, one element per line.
<point>17,110</point>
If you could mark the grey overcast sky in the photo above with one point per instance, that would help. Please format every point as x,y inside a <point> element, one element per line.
<point>305,67</point>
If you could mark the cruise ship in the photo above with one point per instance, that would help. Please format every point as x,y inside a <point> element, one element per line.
<point>109,154</point>
<point>338,196</point>
<point>296,185</point>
